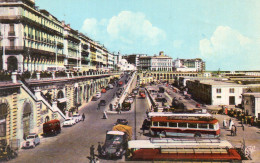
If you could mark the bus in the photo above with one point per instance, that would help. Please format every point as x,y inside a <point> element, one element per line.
<point>171,149</point>
<point>184,124</point>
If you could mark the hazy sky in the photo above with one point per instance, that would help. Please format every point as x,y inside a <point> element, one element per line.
<point>224,33</point>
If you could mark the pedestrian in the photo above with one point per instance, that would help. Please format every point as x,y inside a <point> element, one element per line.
<point>111,107</point>
<point>235,130</point>
<point>99,149</point>
<point>98,106</point>
<point>92,153</point>
<point>224,123</point>
<point>232,131</point>
<point>104,115</point>
<point>83,116</point>
<point>230,123</point>
<point>252,121</point>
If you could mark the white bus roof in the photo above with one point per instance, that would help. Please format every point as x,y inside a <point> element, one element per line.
<point>115,133</point>
<point>179,143</point>
<point>170,114</point>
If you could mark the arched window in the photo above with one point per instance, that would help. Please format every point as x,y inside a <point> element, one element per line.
<point>3,115</point>
<point>12,63</point>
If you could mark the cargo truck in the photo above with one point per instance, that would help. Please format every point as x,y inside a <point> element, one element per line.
<point>116,142</point>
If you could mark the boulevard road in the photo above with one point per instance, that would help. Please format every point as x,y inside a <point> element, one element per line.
<point>73,143</point>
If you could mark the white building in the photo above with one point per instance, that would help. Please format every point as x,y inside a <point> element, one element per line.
<point>125,66</point>
<point>189,65</point>
<point>214,92</point>
<point>161,63</point>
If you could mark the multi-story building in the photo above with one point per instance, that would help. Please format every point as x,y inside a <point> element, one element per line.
<point>85,51</point>
<point>34,40</point>
<point>71,48</point>
<point>161,63</point>
<point>134,59</point>
<point>156,63</point>
<point>197,65</point>
<point>145,63</point>
<point>215,92</point>
<point>31,39</point>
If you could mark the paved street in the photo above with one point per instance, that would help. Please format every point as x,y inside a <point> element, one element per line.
<point>73,144</point>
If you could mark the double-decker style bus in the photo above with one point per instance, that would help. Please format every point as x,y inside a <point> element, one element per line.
<point>184,124</point>
<point>170,149</point>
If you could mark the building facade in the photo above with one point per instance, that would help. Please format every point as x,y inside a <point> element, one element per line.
<point>251,104</point>
<point>156,63</point>
<point>34,40</point>
<point>214,92</point>
<point>197,65</point>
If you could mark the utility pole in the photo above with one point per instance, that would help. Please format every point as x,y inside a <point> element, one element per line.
<point>3,48</point>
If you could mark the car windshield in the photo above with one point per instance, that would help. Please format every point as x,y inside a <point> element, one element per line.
<point>115,139</point>
<point>30,137</point>
<point>67,120</point>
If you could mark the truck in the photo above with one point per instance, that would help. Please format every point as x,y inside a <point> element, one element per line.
<point>116,142</point>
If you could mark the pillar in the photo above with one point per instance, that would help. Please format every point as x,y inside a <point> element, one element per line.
<point>14,77</point>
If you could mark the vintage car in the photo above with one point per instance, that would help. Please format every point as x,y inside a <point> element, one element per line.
<point>121,121</point>
<point>129,99</point>
<point>31,141</point>
<point>97,96</point>
<point>69,122</point>
<point>51,127</point>
<point>77,117</point>
<point>102,103</point>
<point>103,90</point>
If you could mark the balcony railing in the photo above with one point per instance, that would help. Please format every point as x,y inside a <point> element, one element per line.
<point>13,47</point>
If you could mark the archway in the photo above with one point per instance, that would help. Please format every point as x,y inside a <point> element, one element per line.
<point>3,115</point>
<point>12,63</point>
<point>61,103</point>
<point>26,119</point>
<point>75,96</point>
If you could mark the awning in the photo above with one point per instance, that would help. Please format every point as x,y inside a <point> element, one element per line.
<point>61,100</point>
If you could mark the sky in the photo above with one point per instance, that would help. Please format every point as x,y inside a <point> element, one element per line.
<point>224,33</point>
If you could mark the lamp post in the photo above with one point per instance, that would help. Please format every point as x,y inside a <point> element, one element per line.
<point>4,49</point>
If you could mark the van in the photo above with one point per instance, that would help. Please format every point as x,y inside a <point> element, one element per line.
<point>51,127</point>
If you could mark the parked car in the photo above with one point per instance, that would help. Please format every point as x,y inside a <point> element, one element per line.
<point>97,96</point>
<point>102,102</point>
<point>77,117</point>
<point>110,86</point>
<point>129,100</point>
<point>126,106</point>
<point>31,141</point>
<point>103,90</point>
<point>121,121</point>
<point>69,122</point>
<point>107,88</point>
<point>51,127</point>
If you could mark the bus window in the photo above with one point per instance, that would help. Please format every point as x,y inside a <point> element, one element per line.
<point>211,126</point>
<point>163,124</point>
<point>155,123</point>
<point>203,125</point>
<point>192,125</point>
<point>171,124</point>
<point>183,125</point>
